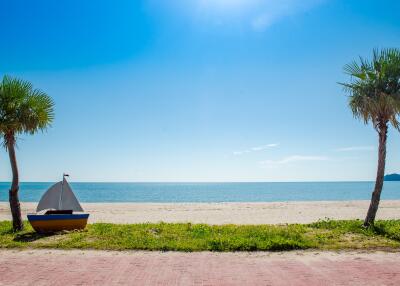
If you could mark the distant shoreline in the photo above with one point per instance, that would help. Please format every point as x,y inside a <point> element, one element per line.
<point>226,213</point>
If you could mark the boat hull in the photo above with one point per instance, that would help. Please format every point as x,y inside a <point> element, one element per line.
<point>57,222</point>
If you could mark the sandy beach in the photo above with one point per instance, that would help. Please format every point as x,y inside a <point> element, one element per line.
<point>225,213</point>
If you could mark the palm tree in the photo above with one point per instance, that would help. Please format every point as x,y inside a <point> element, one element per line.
<point>374,90</point>
<point>23,110</point>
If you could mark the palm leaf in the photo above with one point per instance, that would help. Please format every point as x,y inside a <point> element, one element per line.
<point>23,109</point>
<point>374,87</point>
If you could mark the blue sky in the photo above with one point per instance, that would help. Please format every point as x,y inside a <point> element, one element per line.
<point>200,90</point>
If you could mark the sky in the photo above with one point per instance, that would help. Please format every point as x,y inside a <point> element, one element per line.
<point>196,90</point>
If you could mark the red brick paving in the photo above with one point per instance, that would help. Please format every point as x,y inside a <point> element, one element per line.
<point>48,267</point>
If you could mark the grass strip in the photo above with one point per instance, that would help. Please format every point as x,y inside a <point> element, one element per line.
<point>325,235</point>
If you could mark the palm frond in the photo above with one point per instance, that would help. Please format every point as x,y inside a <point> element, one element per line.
<point>23,109</point>
<point>374,87</point>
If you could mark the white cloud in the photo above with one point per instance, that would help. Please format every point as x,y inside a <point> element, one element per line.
<point>223,5</point>
<point>241,152</point>
<point>355,148</point>
<point>255,149</point>
<point>263,147</point>
<point>292,159</point>
<point>272,11</point>
<point>261,22</point>
<point>254,14</point>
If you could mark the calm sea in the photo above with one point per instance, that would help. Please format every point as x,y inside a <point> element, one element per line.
<point>211,192</point>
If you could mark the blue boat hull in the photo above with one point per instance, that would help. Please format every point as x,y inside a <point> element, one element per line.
<point>57,222</point>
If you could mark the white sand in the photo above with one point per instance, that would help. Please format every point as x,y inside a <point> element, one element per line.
<point>305,256</point>
<point>225,213</point>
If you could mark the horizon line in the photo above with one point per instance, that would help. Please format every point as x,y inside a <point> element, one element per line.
<point>198,182</point>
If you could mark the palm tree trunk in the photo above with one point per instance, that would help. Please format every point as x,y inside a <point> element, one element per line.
<point>13,193</point>
<point>376,195</point>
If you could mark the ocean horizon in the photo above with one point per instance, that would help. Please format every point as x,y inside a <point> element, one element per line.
<point>198,192</point>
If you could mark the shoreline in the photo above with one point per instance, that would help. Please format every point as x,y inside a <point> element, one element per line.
<point>225,213</point>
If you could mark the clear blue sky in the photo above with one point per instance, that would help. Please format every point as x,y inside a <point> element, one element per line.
<point>200,90</point>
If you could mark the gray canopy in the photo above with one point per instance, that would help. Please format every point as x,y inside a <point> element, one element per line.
<point>59,197</point>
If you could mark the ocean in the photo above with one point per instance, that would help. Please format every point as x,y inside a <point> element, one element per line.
<point>211,192</point>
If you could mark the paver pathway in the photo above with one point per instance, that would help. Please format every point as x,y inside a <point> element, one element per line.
<point>52,267</point>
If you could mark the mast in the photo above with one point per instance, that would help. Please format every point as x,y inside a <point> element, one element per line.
<point>62,187</point>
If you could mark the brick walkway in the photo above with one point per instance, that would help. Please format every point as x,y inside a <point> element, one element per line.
<point>49,267</point>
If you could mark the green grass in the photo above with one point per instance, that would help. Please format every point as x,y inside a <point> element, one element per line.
<point>199,237</point>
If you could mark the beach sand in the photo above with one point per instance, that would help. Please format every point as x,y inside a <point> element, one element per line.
<point>225,213</point>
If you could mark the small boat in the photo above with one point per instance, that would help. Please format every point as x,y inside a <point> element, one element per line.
<point>55,211</point>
